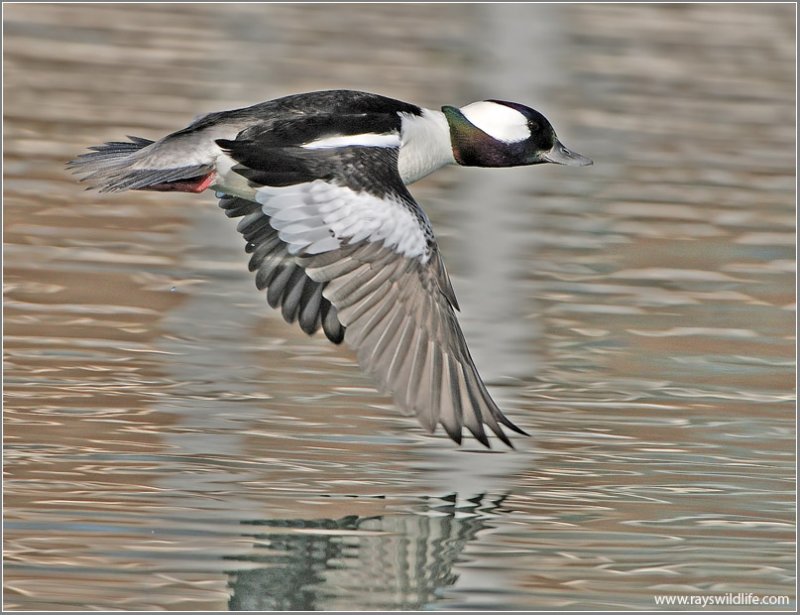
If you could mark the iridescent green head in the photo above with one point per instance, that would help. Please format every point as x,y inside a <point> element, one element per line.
<point>497,133</point>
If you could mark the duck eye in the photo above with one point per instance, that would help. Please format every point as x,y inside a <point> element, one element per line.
<point>534,126</point>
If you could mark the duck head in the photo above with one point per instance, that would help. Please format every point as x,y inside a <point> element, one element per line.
<point>497,133</point>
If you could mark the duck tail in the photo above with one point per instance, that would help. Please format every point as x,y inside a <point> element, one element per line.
<point>123,165</point>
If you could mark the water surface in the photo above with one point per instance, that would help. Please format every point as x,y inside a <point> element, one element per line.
<point>170,443</point>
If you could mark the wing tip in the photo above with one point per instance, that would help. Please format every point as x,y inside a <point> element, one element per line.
<point>480,435</point>
<point>484,439</point>
<point>454,434</point>
<point>507,422</point>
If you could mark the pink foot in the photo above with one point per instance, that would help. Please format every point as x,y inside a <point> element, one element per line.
<point>195,184</point>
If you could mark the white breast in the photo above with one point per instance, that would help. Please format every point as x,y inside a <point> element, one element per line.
<point>425,145</point>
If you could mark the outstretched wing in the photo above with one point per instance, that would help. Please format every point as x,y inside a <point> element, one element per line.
<point>288,286</point>
<point>400,321</point>
<point>343,215</point>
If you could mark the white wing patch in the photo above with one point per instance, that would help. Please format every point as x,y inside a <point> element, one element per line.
<point>371,139</point>
<point>318,216</point>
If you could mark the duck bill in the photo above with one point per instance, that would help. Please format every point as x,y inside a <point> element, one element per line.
<point>559,154</point>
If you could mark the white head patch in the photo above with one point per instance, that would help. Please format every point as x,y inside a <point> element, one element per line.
<point>498,121</point>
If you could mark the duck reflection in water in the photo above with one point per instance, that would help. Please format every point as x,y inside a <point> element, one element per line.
<point>394,562</point>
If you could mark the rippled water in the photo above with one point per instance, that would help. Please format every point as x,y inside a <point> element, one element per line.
<point>170,443</point>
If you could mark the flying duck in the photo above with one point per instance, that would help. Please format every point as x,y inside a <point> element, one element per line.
<point>334,236</point>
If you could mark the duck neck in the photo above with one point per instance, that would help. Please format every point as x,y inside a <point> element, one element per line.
<point>425,145</point>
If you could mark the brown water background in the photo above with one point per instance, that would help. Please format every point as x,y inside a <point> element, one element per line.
<point>170,443</point>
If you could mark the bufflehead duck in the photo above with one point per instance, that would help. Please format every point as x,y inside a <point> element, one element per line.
<point>336,239</point>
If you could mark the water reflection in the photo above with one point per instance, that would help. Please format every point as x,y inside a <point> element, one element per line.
<point>387,562</point>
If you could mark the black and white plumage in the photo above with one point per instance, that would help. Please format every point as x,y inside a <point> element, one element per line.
<point>318,181</point>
